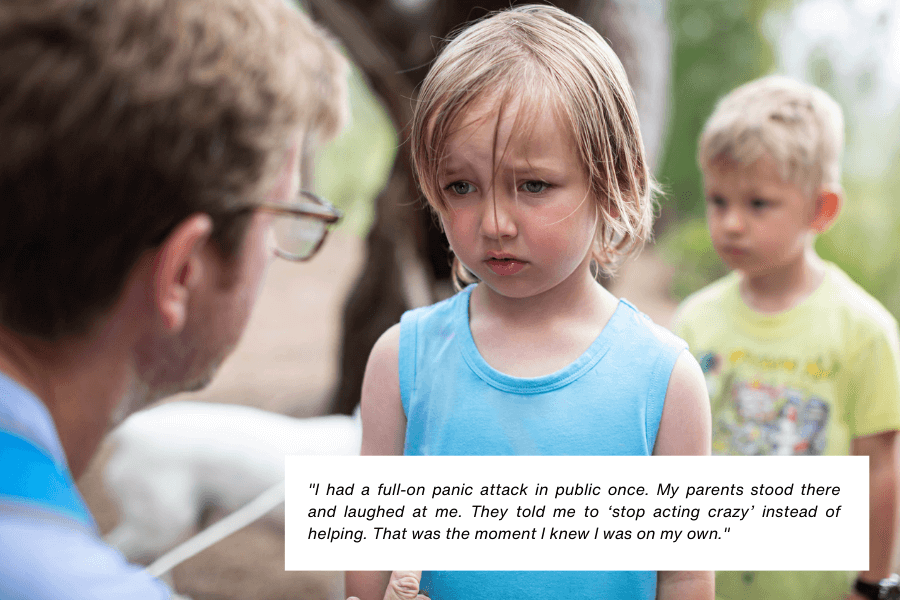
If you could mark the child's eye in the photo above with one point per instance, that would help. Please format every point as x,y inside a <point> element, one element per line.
<point>759,203</point>
<point>535,187</point>
<point>716,201</point>
<point>460,188</point>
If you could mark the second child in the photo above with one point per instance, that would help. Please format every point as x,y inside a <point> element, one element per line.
<point>799,360</point>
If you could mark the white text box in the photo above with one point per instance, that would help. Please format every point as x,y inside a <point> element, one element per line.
<point>576,513</point>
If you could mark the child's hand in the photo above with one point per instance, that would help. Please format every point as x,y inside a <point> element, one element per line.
<point>404,585</point>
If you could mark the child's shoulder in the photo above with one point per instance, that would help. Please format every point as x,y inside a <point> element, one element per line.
<point>708,300</point>
<point>445,308</point>
<point>639,325</point>
<point>857,307</point>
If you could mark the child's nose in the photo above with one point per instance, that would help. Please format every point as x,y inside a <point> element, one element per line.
<point>734,221</point>
<point>498,219</point>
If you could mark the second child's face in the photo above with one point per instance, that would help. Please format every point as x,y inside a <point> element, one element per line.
<point>759,223</point>
<point>528,227</point>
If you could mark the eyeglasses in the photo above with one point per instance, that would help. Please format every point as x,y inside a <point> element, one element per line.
<point>301,228</point>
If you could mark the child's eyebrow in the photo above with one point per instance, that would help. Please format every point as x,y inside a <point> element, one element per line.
<point>539,169</point>
<point>549,167</point>
<point>453,163</point>
<point>453,171</point>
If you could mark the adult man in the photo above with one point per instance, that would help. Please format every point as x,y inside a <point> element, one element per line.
<point>148,173</point>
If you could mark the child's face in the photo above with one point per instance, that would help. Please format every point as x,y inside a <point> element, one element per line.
<point>759,223</point>
<point>529,226</point>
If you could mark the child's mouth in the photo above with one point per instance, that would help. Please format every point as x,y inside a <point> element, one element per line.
<point>505,266</point>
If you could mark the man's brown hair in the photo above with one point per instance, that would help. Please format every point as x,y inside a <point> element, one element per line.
<point>120,118</point>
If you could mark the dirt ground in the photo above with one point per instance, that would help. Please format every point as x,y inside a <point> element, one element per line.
<point>287,363</point>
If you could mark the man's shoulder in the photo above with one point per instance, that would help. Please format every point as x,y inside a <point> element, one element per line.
<point>48,559</point>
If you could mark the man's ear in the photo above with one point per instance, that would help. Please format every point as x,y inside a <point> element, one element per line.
<point>828,207</point>
<point>178,268</point>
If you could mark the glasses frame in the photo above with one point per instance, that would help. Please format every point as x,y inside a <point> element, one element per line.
<point>318,208</point>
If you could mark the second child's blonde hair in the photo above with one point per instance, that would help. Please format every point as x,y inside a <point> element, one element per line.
<point>798,125</point>
<point>538,56</point>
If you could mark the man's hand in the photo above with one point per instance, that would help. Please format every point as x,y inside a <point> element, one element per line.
<point>404,585</point>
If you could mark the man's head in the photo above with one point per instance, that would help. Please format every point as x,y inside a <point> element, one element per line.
<point>770,155</point>
<point>128,125</point>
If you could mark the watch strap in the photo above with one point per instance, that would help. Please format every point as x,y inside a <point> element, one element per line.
<point>869,590</point>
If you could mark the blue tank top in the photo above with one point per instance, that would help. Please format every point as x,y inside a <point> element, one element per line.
<point>608,402</point>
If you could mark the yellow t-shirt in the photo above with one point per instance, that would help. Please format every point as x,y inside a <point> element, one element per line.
<point>802,382</point>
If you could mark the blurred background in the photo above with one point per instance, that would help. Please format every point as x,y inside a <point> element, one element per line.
<point>307,342</point>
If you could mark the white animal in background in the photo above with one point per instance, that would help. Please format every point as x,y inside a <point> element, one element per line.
<point>174,461</point>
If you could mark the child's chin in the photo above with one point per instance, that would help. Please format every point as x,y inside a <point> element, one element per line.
<point>733,262</point>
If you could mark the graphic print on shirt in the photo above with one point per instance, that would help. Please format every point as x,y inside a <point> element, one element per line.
<point>757,412</point>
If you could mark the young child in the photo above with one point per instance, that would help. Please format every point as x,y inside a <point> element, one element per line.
<point>526,145</point>
<point>797,357</point>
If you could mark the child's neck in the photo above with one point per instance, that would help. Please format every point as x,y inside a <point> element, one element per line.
<point>538,335</point>
<point>579,297</point>
<point>782,289</point>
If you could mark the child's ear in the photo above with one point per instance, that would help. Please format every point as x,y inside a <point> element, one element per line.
<point>828,207</point>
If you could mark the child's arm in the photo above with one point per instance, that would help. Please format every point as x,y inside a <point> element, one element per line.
<point>384,432</point>
<point>881,448</point>
<point>685,429</point>
<point>383,419</point>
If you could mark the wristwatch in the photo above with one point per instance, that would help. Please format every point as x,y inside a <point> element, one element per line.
<point>886,589</point>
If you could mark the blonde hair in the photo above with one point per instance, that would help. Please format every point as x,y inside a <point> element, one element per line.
<point>120,118</point>
<point>549,57</point>
<point>798,125</point>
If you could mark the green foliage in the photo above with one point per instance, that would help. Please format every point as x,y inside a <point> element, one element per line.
<point>716,45</point>
<point>688,247</point>
<point>863,241</point>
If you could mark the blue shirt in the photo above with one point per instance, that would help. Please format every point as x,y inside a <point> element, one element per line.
<point>50,548</point>
<point>607,402</point>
